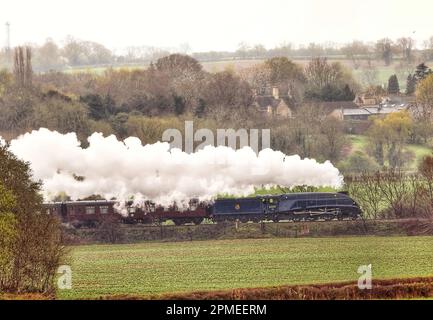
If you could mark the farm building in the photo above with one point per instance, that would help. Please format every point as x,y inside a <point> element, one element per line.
<point>363,114</point>
<point>274,104</point>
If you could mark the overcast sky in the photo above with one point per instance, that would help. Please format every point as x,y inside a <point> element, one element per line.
<point>215,24</point>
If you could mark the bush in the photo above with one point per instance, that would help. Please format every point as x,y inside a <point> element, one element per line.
<point>358,162</point>
<point>110,231</point>
<point>31,248</point>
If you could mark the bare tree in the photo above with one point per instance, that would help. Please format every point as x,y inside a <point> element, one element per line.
<point>384,50</point>
<point>355,52</point>
<point>369,73</point>
<point>406,44</point>
<point>23,66</point>
<point>320,73</point>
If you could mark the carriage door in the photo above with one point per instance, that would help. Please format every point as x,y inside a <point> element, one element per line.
<point>63,212</point>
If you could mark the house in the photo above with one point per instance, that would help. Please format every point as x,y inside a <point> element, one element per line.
<point>350,114</point>
<point>363,114</point>
<point>274,105</point>
<point>367,100</point>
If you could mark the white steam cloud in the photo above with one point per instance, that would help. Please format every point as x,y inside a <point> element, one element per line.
<point>123,169</point>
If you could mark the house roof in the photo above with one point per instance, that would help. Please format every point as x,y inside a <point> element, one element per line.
<point>384,109</point>
<point>264,101</point>
<point>374,110</point>
<point>329,106</point>
<point>356,112</point>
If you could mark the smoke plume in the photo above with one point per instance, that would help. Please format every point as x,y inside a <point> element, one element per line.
<point>125,169</point>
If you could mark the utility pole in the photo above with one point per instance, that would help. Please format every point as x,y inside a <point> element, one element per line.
<point>8,37</point>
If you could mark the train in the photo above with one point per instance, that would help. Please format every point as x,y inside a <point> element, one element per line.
<point>306,206</point>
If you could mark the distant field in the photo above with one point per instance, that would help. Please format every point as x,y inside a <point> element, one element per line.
<point>157,268</point>
<point>212,66</point>
<point>359,142</point>
<point>383,72</point>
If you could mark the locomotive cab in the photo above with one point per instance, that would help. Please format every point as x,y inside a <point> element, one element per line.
<point>271,207</point>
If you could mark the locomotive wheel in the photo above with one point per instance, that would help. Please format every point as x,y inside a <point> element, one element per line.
<point>197,221</point>
<point>178,222</point>
<point>244,219</point>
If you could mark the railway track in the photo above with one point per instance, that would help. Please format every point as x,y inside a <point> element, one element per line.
<point>134,233</point>
<point>266,223</point>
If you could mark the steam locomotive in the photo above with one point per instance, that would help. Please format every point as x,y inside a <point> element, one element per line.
<point>292,206</point>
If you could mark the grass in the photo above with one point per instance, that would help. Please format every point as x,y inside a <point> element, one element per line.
<point>359,143</point>
<point>383,74</point>
<point>158,268</point>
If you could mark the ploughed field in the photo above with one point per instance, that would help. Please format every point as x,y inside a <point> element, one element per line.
<point>160,268</point>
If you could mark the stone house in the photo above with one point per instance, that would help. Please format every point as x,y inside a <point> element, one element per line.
<point>274,105</point>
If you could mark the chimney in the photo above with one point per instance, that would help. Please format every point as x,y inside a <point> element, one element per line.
<point>275,93</point>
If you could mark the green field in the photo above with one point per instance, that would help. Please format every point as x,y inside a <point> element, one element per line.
<point>155,268</point>
<point>359,142</point>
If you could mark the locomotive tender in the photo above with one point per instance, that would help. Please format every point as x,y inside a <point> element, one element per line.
<point>307,206</point>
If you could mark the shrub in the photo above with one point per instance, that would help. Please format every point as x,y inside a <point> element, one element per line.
<point>31,247</point>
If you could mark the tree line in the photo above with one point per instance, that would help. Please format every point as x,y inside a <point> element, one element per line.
<point>75,52</point>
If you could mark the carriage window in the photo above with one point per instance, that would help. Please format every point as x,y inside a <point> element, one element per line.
<point>132,209</point>
<point>193,206</point>
<point>90,210</point>
<point>103,209</point>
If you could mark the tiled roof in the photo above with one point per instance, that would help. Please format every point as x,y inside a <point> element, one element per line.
<point>383,110</point>
<point>355,112</point>
<point>372,110</point>
<point>264,101</point>
<point>330,106</point>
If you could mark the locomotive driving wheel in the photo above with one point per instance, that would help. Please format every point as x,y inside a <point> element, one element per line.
<point>244,219</point>
<point>197,221</point>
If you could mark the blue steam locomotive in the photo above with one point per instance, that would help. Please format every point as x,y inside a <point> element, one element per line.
<point>291,206</point>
